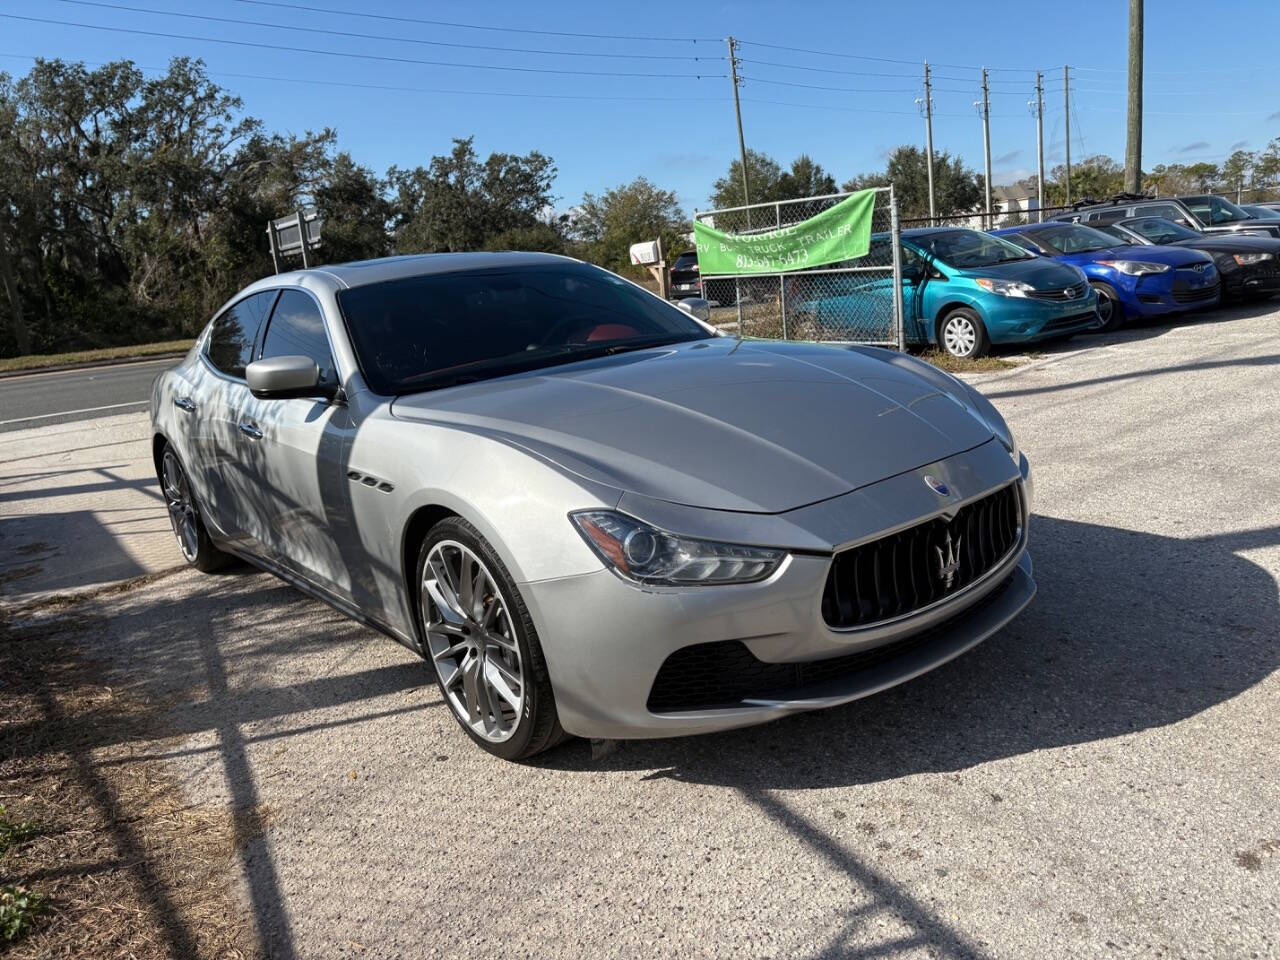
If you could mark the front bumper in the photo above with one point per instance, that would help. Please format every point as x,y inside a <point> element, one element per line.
<point>605,640</point>
<point>1175,291</point>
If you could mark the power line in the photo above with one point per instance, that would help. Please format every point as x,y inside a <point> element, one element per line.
<point>854,56</point>
<point>380,36</point>
<point>403,89</point>
<point>474,26</point>
<point>848,73</point>
<point>359,56</point>
<point>813,86</point>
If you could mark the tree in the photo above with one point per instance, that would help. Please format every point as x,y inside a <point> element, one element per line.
<point>769,183</point>
<point>764,174</point>
<point>459,203</point>
<point>1096,177</point>
<point>607,225</point>
<point>1235,170</point>
<point>805,179</point>
<point>355,211</point>
<point>957,189</point>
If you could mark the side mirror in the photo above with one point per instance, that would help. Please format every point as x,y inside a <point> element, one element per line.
<point>281,378</point>
<point>696,307</point>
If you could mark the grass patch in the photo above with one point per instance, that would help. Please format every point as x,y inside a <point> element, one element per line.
<point>945,361</point>
<point>19,908</point>
<point>39,361</point>
<point>14,832</point>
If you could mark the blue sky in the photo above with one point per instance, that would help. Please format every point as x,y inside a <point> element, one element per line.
<point>1203,99</point>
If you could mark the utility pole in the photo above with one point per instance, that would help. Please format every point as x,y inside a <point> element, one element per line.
<point>928,127</point>
<point>1133,147</point>
<point>1039,147</point>
<point>986,138</point>
<point>1066,107</point>
<point>737,109</point>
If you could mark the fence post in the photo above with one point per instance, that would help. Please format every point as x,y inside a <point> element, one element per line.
<point>737,296</point>
<point>782,301</point>
<point>899,332</point>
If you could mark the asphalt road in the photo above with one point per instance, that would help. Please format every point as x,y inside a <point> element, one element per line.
<point>45,399</point>
<point>1098,779</point>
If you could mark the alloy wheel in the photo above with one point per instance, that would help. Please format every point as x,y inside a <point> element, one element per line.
<point>1106,308</point>
<point>472,641</point>
<point>959,335</point>
<point>182,507</point>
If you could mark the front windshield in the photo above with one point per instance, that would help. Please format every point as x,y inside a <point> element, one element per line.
<point>1217,210</point>
<point>1074,238</point>
<point>430,331</point>
<point>969,248</point>
<point>1159,230</point>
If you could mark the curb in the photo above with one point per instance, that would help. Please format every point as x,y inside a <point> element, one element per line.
<point>90,364</point>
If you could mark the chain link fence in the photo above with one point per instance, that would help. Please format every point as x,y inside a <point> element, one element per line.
<point>855,301</point>
<point>1015,214</point>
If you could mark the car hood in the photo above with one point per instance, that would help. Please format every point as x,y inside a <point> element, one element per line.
<point>724,424</point>
<point>1172,256</point>
<point>1232,243</point>
<point>1042,273</point>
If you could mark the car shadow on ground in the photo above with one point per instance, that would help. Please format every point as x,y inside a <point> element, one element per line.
<point>1129,631</point>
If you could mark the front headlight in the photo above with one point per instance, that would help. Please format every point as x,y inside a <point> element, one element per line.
<point>1004,288</point>
<point>1136,268</point>
<point>1245,259</point>
<point>646,555</point>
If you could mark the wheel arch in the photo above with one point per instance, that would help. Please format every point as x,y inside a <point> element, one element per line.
<point>415,530</point>
<point>158,442</point>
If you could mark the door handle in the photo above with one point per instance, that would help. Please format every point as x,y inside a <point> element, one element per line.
<point>250,430</point>
<point>185,403</point>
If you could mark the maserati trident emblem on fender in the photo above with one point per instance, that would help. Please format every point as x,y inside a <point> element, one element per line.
<point>948,561</point>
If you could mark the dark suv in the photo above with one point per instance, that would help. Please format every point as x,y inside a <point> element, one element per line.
<point>1206,213</point>
<point>685,280</point>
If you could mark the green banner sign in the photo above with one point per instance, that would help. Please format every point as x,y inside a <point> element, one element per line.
<point>841,232</point>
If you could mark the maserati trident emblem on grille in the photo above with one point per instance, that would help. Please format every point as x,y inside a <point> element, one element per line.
<point>936,485</point>
<point>948,561</point>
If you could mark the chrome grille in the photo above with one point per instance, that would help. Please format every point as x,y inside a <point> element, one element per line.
<point>916,567</point>
<point>1076,292</point>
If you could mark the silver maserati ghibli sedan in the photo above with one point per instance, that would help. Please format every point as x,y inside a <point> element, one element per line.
<point>590,512</point>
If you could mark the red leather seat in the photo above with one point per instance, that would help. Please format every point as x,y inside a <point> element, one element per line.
<point>611,331</point>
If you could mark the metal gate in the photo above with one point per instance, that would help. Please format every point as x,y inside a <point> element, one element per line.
<point>855,301</point>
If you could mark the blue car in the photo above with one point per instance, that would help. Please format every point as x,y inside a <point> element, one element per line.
<point>1131,281</point>
<point>962,290</point>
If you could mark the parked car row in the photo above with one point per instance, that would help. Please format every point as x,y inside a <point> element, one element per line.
<point>1094,268</point>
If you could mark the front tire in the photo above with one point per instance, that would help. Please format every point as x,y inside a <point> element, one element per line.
<point>184,516</point>
<point>1109,308</point>
<point>480,639</point>
<point>963,335</point>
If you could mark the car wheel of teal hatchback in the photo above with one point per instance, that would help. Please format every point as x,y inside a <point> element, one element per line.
<point>962,334</point>
<point>1109,309</point>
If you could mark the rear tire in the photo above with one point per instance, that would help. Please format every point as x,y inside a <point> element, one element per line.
<point>184,516</point>
<point>963,335</point>
<point>1109,308</point>
<point>480,639</point>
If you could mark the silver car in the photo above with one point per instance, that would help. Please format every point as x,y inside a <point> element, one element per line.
<point>589,511</point>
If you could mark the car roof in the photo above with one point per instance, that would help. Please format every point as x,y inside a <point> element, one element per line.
<point>359,273</point>
<point>930,231</point>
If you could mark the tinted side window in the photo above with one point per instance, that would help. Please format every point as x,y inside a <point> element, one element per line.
<point>297,330</point>
<point>230,346</point>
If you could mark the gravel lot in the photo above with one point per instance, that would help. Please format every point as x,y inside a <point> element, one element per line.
<point>1098,779</point>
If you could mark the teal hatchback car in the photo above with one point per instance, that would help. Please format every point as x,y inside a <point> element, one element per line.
<point>964,290</point>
